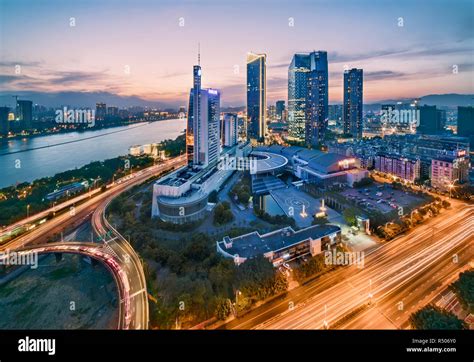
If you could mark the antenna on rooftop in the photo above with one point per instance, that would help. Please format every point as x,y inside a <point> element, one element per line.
<point>199,53</point>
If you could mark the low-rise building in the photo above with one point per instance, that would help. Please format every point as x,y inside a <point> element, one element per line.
<point>446,171</point>
<point>405,167</point>
<point>281,245</point>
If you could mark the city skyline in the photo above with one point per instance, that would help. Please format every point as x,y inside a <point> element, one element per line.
<point>396,49</point>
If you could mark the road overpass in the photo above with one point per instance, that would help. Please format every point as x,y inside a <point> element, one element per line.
<point>103,254</point>
<point>116,245</point>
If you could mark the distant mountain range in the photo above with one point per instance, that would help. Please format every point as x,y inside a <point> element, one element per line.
<point>89,99</point>
<point>80,99</point>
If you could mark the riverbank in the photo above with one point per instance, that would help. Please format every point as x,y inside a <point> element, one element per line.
<point>29,159</point>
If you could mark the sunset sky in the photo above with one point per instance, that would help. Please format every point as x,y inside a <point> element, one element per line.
<point>398,61</point>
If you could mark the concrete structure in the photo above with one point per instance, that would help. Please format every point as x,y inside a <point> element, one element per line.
<point>281,245</point>
<point>182,196</point>
<point>313,166</point>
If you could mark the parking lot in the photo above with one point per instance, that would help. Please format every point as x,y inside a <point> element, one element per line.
<point>382,198</point>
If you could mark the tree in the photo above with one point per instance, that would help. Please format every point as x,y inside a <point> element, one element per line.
<point>223,214</point>
<point>223,308</point>
<point>432,317</point>
<point>350,215</point>
<point>445,204</point>
<point>320,220</point>
<point>365,181</point>
<point>464,289</point>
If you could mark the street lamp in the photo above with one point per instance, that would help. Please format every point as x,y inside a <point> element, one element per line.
<point>27,211</point>
<point>451,186</point>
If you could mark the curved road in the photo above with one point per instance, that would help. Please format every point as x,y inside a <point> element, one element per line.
<point>102,254</point>
<point>117,246</point>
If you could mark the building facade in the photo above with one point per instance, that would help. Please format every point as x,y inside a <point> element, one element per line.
<point>317,99</point>
<point>308,97</point>
<point>25,114</point>
<point>405,168</point>
<point>446,171</point>
<point>230,129</point>
<point>4,122</point>
<point>353,102</point>
<point>256,97</point>
<point>465,126</point>
<point>281,245</point>
<point>203,124</point>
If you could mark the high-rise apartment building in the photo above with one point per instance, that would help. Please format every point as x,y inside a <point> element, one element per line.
<point>353,102</point>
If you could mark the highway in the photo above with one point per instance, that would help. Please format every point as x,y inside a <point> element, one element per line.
<point>98,252</point>
<point>130,262</point>
<point>82,211</point>
<point>420,263</point>
<point>134,305</point>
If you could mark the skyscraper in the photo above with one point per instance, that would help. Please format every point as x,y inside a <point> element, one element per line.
<point>230,130</point>
<point>100,111</point>
<point>317,99</point>
<point>208,145</point>
<point>297,91</point>
<point>203,126</point>
<point>466,123</point>
<point>280,107</point>
<point>25,114</point>
<point>308,97</point>
<point>353,101</point>
<point>4,125</point>
<point>256,96</point>
<point>430,122</point>
<point>193,113</point>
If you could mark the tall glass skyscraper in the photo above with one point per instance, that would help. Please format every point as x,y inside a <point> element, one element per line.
<point>193,113</point>
<point>353,101</point>
<point>256,96</point>
<point>203,126</point>
<point>308,97</point>
<point>317,99</point>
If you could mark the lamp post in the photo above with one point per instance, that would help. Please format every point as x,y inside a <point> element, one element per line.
<point>27,211</point>
<point>451,186</point>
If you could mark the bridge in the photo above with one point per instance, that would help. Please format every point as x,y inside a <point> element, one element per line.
<point>101,253</point>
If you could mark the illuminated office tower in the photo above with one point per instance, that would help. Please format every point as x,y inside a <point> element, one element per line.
<point>353,100</point>
<point>308,97</point>
<point>203,126</point>
<point>317,99</point>
<point>256,96</point>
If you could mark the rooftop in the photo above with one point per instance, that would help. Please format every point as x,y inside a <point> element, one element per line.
<point>253,244</point>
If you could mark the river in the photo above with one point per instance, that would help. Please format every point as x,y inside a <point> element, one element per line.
<point>27,159</point>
